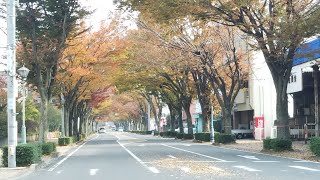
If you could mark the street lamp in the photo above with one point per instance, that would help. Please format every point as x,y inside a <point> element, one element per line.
<point>23,72</point>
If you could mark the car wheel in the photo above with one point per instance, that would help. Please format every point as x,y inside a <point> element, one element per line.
<point>239,136</point>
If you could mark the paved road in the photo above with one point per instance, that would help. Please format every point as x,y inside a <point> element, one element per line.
<point>123,156</point>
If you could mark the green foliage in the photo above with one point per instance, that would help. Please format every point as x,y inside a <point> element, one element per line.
<point>26,154</point>
<point>3,124</point>
<point>142,132</point>
<point>277,144</point>
<point>315,146</point>
<point>179,135</point>
<point>168,134</point>
<point>187,136</point>
<point>48,148</point>
<point>82,137</point>
<point>203,136</point>
<point>224,138</point>
<point>64,141</point>
<point>267,143</point>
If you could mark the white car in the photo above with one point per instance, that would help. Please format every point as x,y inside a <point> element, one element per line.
<point>185,130</point>
<point>120,129</point>
<point>102,130</point>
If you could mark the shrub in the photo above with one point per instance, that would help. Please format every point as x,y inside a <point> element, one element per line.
<point>82,137</point>
<point>277,144</point>
<point>187,136</point>
<point>48,148</point>
<point>224,138</point>
<point>64,141</point>
<point>148,132</point>
<point>203,136</point>
<point>172,134</point>
<point>26,154</point>
<point>315,145</point>
<point>179,135</point>
<point>75,139</point>
<point>267,143</point>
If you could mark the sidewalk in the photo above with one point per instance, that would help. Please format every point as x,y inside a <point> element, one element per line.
<point>14,173</point>
<point>300,149</point>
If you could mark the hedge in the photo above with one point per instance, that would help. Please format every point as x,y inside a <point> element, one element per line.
<point>277,144</point>
<point>187,136</point>
<point>203,136</point>
<point>179,135</point>
<point>64,141</point>
<point>48,148</point>
<point>315,145</point>
<point>224,138</point>
<point>142,132</point>
<point>26,154</point>
<point>168,134</point>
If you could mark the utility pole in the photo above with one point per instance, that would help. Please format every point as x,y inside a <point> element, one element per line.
<point>148,126</point>
<point>11,81</point>
<point>62,112</point>
<point>316,98</point>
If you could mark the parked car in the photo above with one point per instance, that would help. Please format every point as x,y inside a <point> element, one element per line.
<point>102,130</point>
<point>242,133</point>
<point>120,129</point>
<point>185,130</point>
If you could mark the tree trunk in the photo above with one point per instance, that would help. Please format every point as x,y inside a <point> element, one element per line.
<point>227,114</point>
<point>180,122</point>
<point>44,120</point>
<point>67,121</point>
<point>186,108</point>
<point>205,115</point>
<point>282,122</point>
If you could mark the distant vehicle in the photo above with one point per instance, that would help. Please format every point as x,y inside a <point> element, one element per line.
<point>120,129</point>
<point>185,130</point>
<point>113,128</point>
<point>242,133</point>
<point>102,130</point>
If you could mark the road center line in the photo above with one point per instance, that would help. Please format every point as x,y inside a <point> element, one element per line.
<point>93,172</point>
<point>194,153</point>
<point>304,168</point>
<point>152,169</point>
<point>69,155</point>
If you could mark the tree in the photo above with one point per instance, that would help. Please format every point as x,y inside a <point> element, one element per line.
<point>277,26</point>
<point>43,31</point>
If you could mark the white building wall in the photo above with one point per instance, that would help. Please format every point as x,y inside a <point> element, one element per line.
<point>262,93</point>
<point>263,96</point>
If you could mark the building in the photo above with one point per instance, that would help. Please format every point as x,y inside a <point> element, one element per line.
<point>301,86</point>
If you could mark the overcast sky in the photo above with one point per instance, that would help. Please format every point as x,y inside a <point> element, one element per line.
<point>102,10</point>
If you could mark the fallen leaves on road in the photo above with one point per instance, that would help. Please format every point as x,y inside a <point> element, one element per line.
<point>191,167</point>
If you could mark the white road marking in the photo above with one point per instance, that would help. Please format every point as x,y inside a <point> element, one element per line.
<point>59,172</point>
<point>172,157</point>
<point>247,151</point>
<point>69,155</point>
<point>193,162</point>
<point>265,161</point>
<point>141,145</point>
<point>187,144</point>
<point>304,168</point>
<point>152,169</point>
<point>302,161</point>
<point>93,172</point>
<point>195,153</point>
<point>249,157</point>
<point>247,168</point>
<point>185,169</point>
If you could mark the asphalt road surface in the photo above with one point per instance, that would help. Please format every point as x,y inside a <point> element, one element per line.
<point>125,156</point>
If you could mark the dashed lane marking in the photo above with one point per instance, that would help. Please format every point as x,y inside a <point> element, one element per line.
<point>171,156</point>
<point>304,168</point>
<point>195,153</point>
<point>247,168</point>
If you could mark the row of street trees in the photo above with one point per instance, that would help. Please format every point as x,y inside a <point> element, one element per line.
<point>276,27</point>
